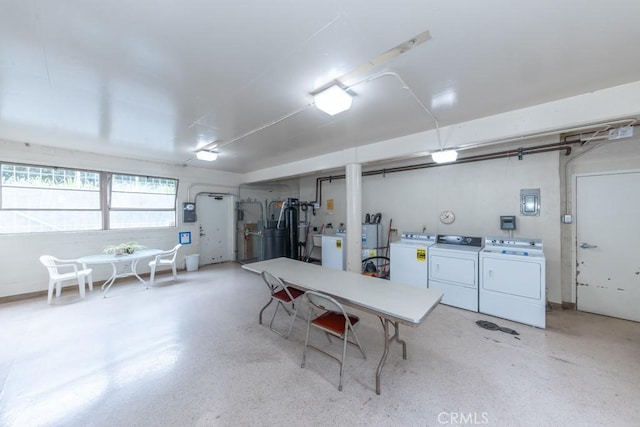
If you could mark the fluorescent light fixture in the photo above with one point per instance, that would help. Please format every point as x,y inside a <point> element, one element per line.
<point>446,99</point>
<point>208,156</point>
<point>445,156</point>
<point>332,100</point>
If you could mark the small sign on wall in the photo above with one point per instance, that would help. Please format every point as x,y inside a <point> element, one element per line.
<point>184,237</point>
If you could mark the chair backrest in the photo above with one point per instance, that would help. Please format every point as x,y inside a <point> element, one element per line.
<point>172,252</point>
<point>275,284</point>
<point>324,302</point>
<point>49,262</point>
<point>52,263</point>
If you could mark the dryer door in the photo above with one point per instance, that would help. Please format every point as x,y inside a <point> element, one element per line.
<point>512,277</point>
<point>449,268</point>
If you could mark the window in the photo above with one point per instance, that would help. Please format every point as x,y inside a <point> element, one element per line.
<point>38,199</point>
<point>141,201</point>
<point>47,199</point>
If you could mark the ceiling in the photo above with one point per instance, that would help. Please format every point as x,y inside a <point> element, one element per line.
<point>156,80</point>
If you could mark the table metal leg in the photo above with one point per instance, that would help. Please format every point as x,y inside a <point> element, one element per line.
<point>106,285</point>
<point>134,266</point>
<point>387,340</point>
<point>396,336</point>
<point>385,327</point>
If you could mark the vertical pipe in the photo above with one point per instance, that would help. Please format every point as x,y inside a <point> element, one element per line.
<point>354,217</point>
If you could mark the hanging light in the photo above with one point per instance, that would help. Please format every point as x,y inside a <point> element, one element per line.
<point>444,156</point>
<point>206,155</point>
<point>332,100</point>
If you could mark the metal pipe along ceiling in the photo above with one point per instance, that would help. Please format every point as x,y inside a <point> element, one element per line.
<point>520,153</point>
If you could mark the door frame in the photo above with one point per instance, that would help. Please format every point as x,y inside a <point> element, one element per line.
<point>574,224</point>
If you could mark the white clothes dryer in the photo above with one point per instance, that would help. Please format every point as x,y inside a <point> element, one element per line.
<point>453,269</point>
<point>408,259</point>
<point>512,280</point>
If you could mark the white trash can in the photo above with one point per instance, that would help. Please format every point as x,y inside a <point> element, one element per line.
<point>192,262</point>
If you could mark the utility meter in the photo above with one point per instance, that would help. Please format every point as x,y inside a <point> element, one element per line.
<point>508,222</point>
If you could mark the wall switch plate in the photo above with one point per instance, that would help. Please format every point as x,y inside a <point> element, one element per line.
<point>567,219</point>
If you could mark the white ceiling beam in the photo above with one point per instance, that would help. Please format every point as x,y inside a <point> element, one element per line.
<point>599,106</point>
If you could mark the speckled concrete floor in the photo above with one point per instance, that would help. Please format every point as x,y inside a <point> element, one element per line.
<point>191,352</point>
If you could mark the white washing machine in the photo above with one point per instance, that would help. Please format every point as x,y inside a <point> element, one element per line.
<point>334,251</point>
<point>453,269</point>
<point>512,280</point>
<point>408,259</point>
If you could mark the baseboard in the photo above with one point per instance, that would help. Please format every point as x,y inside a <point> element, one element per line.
<point>43,293</point>
<point>568,305</point>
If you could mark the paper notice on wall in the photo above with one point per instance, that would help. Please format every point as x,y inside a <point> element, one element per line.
<point>330,204</point>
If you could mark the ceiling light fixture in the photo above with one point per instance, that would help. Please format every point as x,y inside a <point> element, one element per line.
<point>332,100</point>
<point>444,156</point>
<point>208,156</point>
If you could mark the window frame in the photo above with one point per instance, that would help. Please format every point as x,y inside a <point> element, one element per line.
<point>109,196</point>
<point>105,179</point>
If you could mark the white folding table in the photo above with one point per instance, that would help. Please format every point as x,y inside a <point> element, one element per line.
<point>393,302</point>
<point>114,260</point>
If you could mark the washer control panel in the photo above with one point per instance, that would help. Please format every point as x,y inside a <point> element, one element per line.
<point>418,237</point>
<point>460,240</point>
<point>512,243</point>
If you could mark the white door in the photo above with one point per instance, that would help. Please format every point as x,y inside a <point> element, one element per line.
<point>215,215</point>
<point>608,244</point>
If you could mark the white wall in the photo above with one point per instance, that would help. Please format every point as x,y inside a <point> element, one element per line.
<point>478,193</point>
<point>21,269</point>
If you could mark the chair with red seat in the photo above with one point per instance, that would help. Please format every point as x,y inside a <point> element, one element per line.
<point>333,321</point>
<point>282,294</point>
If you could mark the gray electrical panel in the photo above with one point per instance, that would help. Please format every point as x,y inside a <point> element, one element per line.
<point>530,202</point>
<point>189,212</point>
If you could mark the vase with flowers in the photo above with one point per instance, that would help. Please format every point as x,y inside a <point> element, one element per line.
<point>123,248</point>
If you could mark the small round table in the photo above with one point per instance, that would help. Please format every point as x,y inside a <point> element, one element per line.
<point>114,260</point>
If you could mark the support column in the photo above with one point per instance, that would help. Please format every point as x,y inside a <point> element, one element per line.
<point>353,176</point>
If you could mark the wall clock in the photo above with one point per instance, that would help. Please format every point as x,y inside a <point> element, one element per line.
<point>447,217</point>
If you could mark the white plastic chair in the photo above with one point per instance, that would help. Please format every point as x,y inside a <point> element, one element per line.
<point>61,270</point>
<point>165,258</point>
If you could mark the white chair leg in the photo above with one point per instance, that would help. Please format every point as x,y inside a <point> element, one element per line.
<point>50,295</point>
<point>58,288</point>
<point>90,281</point>
<point>175,273</point>
<point>81,285</point>
<point>152,274</point>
